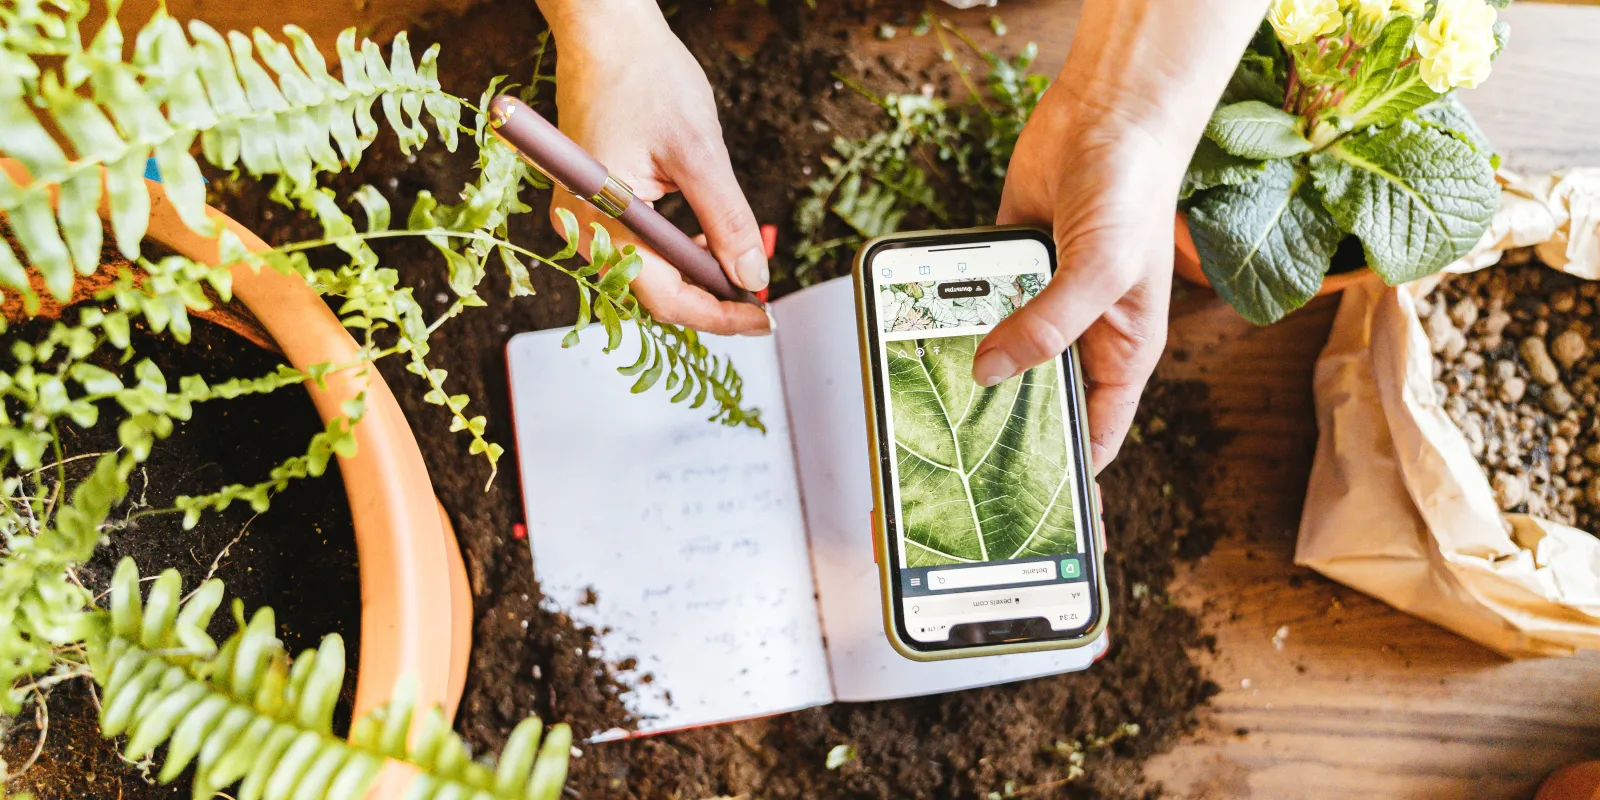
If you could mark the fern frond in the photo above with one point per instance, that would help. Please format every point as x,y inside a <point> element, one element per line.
<point>42,607</point>
<point>245,713</point>
<point>295,122</point>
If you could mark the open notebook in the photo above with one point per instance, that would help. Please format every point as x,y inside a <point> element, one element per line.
<point>736,569</point>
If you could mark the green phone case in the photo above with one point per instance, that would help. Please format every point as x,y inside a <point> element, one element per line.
<point>882,544</point>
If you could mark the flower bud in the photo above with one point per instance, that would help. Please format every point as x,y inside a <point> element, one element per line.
<point>1300,21</point>
<point>1367,18</point>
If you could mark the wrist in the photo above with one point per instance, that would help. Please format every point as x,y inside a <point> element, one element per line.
<point>590,24</point>
<point>1105,112</point>
<point>1154,68</point>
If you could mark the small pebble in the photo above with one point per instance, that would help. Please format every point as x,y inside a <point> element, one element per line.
<point>1510,490</point>
<point>1557,399</point>
<point>1495,324</point>
<point>1516,367</point>
<point>1512,390</point>
<point>1440,332</point>
<point>1569,348</point>
<point>1540,365</point>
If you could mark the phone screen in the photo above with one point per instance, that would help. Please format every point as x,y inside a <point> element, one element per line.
<point>987,507</point>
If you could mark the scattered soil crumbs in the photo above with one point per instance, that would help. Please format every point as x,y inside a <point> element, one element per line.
<point>1518,359</point>
<point>299,557</point>
<point>780,108</point>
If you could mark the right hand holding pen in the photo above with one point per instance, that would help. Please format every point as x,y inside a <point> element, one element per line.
<point>630,93</point>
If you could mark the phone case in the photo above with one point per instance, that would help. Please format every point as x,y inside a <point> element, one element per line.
<point>880,529</point>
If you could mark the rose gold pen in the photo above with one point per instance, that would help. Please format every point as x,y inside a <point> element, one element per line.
<point>571,167</point>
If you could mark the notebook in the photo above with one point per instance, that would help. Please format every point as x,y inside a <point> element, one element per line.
<point>731,571</point>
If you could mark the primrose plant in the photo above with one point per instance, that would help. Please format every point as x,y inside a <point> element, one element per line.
<point>82,119</point>
<point>1340,127</point>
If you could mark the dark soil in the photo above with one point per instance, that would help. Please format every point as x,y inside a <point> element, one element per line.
<point>299,557</point>
<point>780,109</point>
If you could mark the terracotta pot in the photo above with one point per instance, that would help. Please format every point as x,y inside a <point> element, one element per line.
<point>1186,263</point>
<point>416,607</point>
<point>1577,782</point>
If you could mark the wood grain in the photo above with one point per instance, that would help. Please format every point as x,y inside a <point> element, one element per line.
<point>1361,701</point>
<point>1541,106</point>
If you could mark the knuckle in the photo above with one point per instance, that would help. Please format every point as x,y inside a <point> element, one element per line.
<point>730,219</point>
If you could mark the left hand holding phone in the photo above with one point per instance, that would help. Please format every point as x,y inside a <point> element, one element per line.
<point>629,93</point>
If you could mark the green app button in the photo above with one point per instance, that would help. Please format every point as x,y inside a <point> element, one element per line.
<point>1070,568</point>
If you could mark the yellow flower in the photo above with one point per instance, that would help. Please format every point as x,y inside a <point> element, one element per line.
<point>1457,45</point>
<point>1415,8</point>
<point>1301,21</point>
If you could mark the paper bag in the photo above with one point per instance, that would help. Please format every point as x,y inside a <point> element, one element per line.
<point>1397,506</point>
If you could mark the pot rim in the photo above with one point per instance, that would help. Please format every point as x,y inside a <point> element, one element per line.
<point>408,554</point>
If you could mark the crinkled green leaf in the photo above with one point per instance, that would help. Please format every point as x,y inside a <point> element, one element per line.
<point>985,473</point>
<point>1266,244</point>
<point>1417,197</point>
<point>1261,71</point>
<point>1212,166</point>
<point>1252,129</point>
<point>1448,114</point>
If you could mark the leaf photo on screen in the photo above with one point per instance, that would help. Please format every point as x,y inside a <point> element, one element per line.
<point>984,473</point>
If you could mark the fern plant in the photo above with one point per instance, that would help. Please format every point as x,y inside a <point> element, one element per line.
<point>870,185</point>
<point>245,713</point>
<point>82,122</point>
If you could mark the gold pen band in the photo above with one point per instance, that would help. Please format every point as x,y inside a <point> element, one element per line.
<point>613,197</point>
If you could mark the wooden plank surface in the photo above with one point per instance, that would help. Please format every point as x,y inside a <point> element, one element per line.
<point>1361,701</point>
<point>1541,105</point>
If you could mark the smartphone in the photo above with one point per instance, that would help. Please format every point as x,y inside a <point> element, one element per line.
<point>986,520</point>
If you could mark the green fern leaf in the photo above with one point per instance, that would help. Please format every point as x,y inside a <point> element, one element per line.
<point>244,715</point>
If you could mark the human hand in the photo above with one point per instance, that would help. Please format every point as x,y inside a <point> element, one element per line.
<point>630,93</point>
<point>1106,189</point>
<point>1099,163</point>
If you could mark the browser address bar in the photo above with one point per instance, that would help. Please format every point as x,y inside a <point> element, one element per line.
<point>995,574</point>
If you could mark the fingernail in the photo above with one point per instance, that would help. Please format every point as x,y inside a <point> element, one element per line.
<point>992,367</point>
<point>752,269</point>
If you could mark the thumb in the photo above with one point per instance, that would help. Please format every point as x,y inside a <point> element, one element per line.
<point>725,216</point>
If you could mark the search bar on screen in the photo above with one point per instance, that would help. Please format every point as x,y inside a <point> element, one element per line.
<point>992,575</point>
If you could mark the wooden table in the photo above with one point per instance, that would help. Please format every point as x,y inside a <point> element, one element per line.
<point>1362,701</point>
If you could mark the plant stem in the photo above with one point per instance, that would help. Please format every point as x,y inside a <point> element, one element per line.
<point>973,91</point>
<point>312,244</point>
<point>858,88</point>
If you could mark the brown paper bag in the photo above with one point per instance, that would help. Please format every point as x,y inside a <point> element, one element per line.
<point>1397,506</point>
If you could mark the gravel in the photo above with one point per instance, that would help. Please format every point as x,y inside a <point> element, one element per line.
<point>1516,362</point>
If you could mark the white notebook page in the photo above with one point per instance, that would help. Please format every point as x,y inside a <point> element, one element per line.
<point>821,360</point>
<point>689,534</point>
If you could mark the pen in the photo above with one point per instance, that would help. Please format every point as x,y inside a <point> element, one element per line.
<point>571,167</point>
